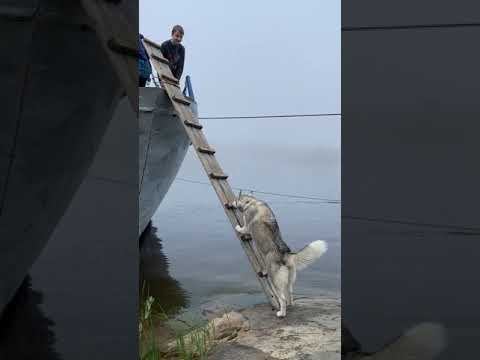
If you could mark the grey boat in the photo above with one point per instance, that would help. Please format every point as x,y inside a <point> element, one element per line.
<point>163,145</point>
<point>60,88</point>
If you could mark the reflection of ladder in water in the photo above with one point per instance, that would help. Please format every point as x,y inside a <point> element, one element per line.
<point>206,155</point>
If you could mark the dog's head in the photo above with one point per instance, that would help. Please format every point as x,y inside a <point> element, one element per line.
<point>244,201</point>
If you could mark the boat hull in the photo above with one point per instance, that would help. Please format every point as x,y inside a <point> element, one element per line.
<point>59,93</point>
<point>163,145</point>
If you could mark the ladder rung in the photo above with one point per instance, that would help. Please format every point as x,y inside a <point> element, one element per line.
<point>169,79</point>
<point>205,150</point>
<point>151,43</point>
<point>161,59</point>
<point>246,237</point>
<point>193,124</point>
<point>189,98</point>
<point>181,100</point>
<point>218,176</point>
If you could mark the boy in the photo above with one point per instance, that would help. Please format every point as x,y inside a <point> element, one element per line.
<point>174,51</point>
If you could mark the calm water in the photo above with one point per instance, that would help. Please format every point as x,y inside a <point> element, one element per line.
<point>191,255</point>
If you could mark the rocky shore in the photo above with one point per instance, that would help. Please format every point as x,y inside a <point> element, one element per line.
<point>311,330</point>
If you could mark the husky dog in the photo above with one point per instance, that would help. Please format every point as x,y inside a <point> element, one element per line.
<point>279,262</point>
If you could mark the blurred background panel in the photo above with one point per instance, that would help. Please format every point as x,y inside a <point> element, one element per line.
<point>68,186</point>
<point>410,224</point>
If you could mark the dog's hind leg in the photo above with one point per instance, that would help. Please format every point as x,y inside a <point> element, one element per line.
<point>276,294</point>
<point>292,276</point>
<point>281,283</point>
<point>266,262</point>
<point>273,269</point>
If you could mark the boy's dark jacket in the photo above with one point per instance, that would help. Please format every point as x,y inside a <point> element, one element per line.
<point>175,54</point>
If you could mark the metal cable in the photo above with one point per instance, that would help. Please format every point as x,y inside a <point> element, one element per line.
<point>324,200</point>
<point>268,116</point>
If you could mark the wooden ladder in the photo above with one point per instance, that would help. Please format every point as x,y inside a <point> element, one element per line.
<point>206,154</point>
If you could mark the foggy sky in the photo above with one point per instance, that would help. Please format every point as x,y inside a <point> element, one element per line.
<point>258,57</point>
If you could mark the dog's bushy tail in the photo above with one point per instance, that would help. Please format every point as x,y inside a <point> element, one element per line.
<point>308,254</point>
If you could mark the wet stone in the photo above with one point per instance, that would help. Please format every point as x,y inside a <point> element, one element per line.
<point>233,351</point>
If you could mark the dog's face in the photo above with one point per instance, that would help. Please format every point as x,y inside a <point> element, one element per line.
<point>244,201</point>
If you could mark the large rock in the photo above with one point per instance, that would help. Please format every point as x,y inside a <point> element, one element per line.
<point>310,331</point>
<point>219,329</point>
<point>229,325</point>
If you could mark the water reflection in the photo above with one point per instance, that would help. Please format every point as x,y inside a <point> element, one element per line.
<point>25,332</point>
<point>154,273</point>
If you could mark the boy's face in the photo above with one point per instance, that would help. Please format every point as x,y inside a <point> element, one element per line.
<point>177,37</point>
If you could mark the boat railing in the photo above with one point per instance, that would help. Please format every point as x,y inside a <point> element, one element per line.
<point>155,80</point>
<point>188,89</point>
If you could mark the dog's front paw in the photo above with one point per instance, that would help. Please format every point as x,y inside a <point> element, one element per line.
<point>238,228</point>
<point>280,314</point>
<point>262,274</point>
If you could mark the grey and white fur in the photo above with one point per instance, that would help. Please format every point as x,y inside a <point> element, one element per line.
<point>277,260</point>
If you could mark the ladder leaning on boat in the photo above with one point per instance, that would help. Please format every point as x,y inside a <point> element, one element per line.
<point>206,154</point>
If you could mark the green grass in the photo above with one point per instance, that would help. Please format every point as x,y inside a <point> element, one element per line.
<point>148,345</point>
<point>196,343</point>
<point>193,339</point>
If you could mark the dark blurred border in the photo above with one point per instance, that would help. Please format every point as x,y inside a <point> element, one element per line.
<point>410,174</point>
<point>80,298</point>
